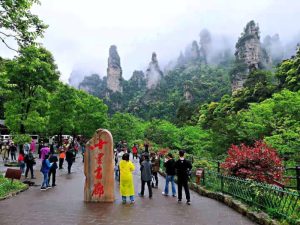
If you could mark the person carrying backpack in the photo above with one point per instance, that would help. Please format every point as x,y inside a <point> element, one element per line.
<point>29,161</point>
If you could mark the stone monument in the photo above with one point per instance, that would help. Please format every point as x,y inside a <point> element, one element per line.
<point>99,168</point>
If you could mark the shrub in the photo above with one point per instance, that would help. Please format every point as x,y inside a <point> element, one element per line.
<point>260,163</point>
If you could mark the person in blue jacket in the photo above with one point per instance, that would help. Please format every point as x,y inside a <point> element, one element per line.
<point>46,165</point>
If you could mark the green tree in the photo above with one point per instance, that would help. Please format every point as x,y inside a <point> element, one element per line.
<point>18,23</point>
<point>30,73</point>
<point>62,111</point>
<point>163,133</point>
<point>124,126</point>
<point>90,114</point>
<point>288,73</point>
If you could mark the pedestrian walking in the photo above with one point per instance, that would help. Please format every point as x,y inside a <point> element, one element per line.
<point>134,152</point>
<point>29,161</point>
<point>183,168</point>
<point>70,156</point>
<point>21,161</point>
<point>32,146</point>
<point>45,151</point>
<point>53,159</point>
<point>41,145</point>
<point>26,148</point>
<point>13,150</point>
<point>62,156</point>
<point>46,165</point>
<point>146,176</point>
<point>82,146</point>
<point>169,164</point>
<point>155,162</point>
<point>126,179</point>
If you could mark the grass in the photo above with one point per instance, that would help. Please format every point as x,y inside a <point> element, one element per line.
<point>7,188</point>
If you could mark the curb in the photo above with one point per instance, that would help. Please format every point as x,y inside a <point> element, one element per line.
<point>14,193</point>
<point>260,217</point>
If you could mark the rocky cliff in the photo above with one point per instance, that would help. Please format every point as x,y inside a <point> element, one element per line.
<point>249,55</point>
<point>114,71</point>
<point>153,72</point>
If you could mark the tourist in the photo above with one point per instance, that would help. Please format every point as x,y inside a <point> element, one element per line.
<point>70,156</point>
<point>183,168</point>
<point>134,151</point>
<point>26,148</point>
<point>5,152</point>
<point>32,146</point>
<point>41,145</point>
<point>126,179</point>
<point>52,159</point>
<point>146,176</point>
<point>155,162</point>
<point>45,151</point>
<point>13,150</point>
<point>82,151</point>
<point>29,161</point>
<point>146,147</point>
<point>46,165</point>
<point>169,164</point>
<point>62,156</point>
<point>21,161</point>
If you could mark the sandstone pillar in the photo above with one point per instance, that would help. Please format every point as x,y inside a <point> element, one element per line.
<point>99,168</point>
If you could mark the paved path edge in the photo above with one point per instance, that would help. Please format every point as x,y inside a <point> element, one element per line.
<point>260,217</point>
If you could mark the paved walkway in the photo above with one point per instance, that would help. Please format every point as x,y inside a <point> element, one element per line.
<point>64,205</point>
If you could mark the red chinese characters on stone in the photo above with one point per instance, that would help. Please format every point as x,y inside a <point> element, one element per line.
<point>98,145</point>
<point>98,187</point>
<point>98,173</point>
<point>99,158</point>
<point>98,190</point>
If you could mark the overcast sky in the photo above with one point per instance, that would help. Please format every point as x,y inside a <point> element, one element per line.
<point>81,31</point>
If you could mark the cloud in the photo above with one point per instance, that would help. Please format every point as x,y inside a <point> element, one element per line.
<point>81,32</point>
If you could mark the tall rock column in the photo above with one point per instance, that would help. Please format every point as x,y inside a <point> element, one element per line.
<point>153,72</point>
<point>249,55</point>
<point>114,71</point>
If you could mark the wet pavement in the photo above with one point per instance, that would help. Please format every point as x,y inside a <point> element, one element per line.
<point>64,205</point>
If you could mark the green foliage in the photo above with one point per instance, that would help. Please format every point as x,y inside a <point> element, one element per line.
<point>276,119</point>
<point>124,126</point>
<point>90,114</point>
<point>7,187</point>
<point>17,22</point>
<point>32,74</point>
<point>166,101</point>
<point>288,73</point>
<point>163,133</point>
<point>21,139</point>
<point>62,110</point>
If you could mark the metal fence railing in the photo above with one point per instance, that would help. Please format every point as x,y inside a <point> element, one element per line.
<point>276,201</point>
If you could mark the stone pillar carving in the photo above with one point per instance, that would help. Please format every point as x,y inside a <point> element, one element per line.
<point>99,168</point>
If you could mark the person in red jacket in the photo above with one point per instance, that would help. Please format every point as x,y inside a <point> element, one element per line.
<point>21,161</point>
<point>135,151</point>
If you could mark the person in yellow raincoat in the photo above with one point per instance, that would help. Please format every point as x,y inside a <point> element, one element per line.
<point>126,178</point>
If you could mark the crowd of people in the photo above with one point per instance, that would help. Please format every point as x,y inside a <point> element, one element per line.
<point>51,156</point>
<point>149,167</point>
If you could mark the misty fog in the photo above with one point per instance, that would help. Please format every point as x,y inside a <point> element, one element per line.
<point>81,32</point>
